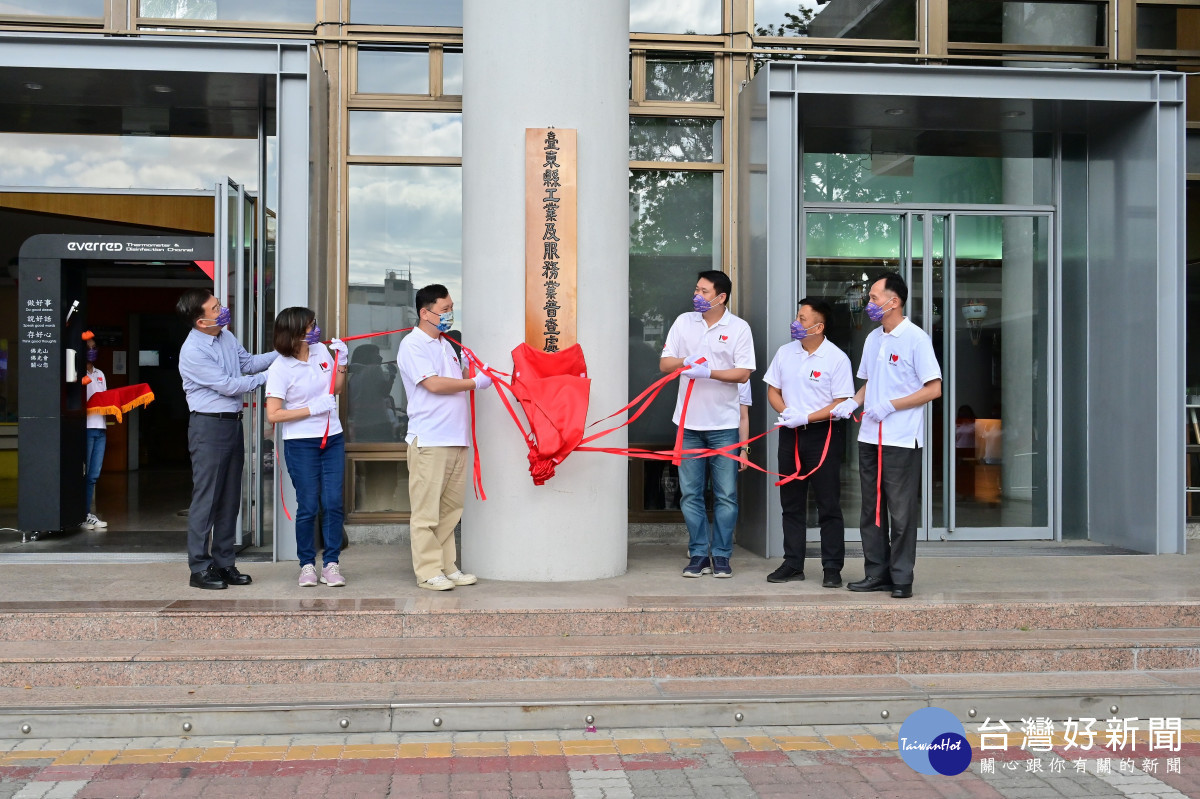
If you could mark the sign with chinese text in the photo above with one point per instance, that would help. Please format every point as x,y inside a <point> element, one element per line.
<point>551,210</point>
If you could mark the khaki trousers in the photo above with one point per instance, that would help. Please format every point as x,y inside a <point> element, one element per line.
<point>437,479</point>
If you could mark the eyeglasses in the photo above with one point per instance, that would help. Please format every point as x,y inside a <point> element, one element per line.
<point>312,325</point>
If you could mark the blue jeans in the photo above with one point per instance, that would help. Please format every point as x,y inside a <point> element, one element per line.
<point>317,475</point>
<point>93,454</point>
<point>694,474</point>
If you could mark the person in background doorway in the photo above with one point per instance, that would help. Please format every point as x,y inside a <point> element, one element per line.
<point>710,332</point>
<point>370,383</point>
<point>808,377</point>
<point>902,374</point>
<point>299,402</point>
<point>438,436</point>
<point>96,437</point>
<point>216,372</point>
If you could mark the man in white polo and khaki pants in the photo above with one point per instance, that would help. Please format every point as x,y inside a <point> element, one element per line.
<point>439,435</point>
<point>902,374</point>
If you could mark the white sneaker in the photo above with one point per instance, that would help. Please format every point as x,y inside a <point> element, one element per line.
<point>94,522</point>
<point>458,578</point>
<point>438,582</point>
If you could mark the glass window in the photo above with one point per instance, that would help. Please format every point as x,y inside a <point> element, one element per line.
<point>784,17</point>
<point>674,232</point>
<point>380,487</point>
<point>227,11</point>
<point>896,177</point>
<point>995,21</point>
<point>671,16</point>
<point>405,231</point>
<point>416,13</point>
<point>1193,152</point>
<point>119,162</point>
<point>452,71</point>
<point>405,133</point>
<point>679,79</point>
<point>1168,28</point>
<point>674,139</point>
<point>52,8</point>
<point>841,19</point>
<point>393,71</point>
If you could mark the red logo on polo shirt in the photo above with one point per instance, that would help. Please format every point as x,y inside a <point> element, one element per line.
<point>814,376</point>
<point>895,358</point>
<point>324,366</point>
<point>723,338</point>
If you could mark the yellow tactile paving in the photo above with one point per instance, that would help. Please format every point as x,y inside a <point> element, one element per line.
<point>592,746</point>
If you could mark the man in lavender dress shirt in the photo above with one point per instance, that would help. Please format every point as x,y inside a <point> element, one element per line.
<point>216,372</point>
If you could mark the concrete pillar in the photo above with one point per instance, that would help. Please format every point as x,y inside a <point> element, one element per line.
<point>534,64</point>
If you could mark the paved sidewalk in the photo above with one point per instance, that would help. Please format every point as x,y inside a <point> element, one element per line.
<point>710,763</point>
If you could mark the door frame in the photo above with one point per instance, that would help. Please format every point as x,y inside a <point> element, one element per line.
<point>925,212</point>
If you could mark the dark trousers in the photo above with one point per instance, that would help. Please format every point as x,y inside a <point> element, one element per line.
<point>890,548</point>
<point>826,489</point>
<point>218,454</point>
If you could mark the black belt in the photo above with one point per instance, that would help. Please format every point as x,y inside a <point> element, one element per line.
<point>229,415</point>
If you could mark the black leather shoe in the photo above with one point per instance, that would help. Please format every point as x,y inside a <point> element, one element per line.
<point>209,578</point>
<point>902,591</point>
<point>832,580</point>
<point>871,584</point>
<point>232,576</point>
<point>785,574</point>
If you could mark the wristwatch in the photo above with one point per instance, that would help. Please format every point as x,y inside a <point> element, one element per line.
<point>746,449</point>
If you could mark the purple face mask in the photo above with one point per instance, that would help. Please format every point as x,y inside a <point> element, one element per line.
<point>313,336</point>
<point>799,331</point>
<point>874,311</point>
<point>700,304</point>
<point>92,355</point>
<point>224,317</point>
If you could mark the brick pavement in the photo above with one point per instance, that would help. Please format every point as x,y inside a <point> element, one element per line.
<point>859,762</point>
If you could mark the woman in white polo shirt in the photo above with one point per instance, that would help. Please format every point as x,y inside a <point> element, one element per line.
<point>300,403</point>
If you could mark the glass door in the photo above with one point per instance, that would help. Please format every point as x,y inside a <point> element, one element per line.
<point>980,287</point>
<point>238,281</point>
<point>993,419</point>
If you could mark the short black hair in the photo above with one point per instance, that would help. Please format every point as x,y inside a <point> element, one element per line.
<point>819,306</point>
<point>427,297</point>
<point>191,304</point>
<point>721,282</point>
<point>894,283</point>
<point>290,327</point>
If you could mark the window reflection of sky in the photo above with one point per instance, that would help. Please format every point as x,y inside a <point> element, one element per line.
<point>675,16</point>
<point>125,162</point>
<point>405,133</point>
<point>59,8</point>
<point>400,214</point>
<point>393,71</point>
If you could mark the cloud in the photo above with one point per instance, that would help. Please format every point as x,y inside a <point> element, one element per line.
<point>125,162</point>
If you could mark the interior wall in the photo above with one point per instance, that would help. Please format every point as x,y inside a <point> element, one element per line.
<point>1074,317</point>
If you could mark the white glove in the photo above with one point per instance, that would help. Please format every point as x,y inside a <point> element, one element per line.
<point>880,410</point>
<point>322,404</point>
<point>482,380</point>
<point>791,418</point>
<point>844,408</point>
<point>339,347</point>
<point>697,371</point>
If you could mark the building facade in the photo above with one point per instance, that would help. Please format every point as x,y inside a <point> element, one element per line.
<point>969,144</point>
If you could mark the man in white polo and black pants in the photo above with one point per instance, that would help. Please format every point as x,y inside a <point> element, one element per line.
<point>902,374</point>
<point>808,377</point>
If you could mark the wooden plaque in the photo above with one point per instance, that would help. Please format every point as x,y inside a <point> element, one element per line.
<point>551,230</point>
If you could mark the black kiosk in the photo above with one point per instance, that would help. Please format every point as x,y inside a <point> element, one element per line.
<point>51,303</point>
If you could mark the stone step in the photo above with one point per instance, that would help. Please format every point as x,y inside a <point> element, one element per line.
<point>446,618</point>
<point>136,663</point>
<point>572,704</point>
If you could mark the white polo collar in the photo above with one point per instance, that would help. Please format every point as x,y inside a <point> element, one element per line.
<point>899,329</point>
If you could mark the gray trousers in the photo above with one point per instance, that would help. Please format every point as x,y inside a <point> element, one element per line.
<point>890,549</point>
<point>218,454</point>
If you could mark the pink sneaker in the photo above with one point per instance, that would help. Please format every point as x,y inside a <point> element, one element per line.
<point>332,576</point>
<point>308,576</point>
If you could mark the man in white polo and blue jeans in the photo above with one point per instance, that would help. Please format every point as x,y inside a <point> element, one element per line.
<point>902,374</point>
<point>710,332</point>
